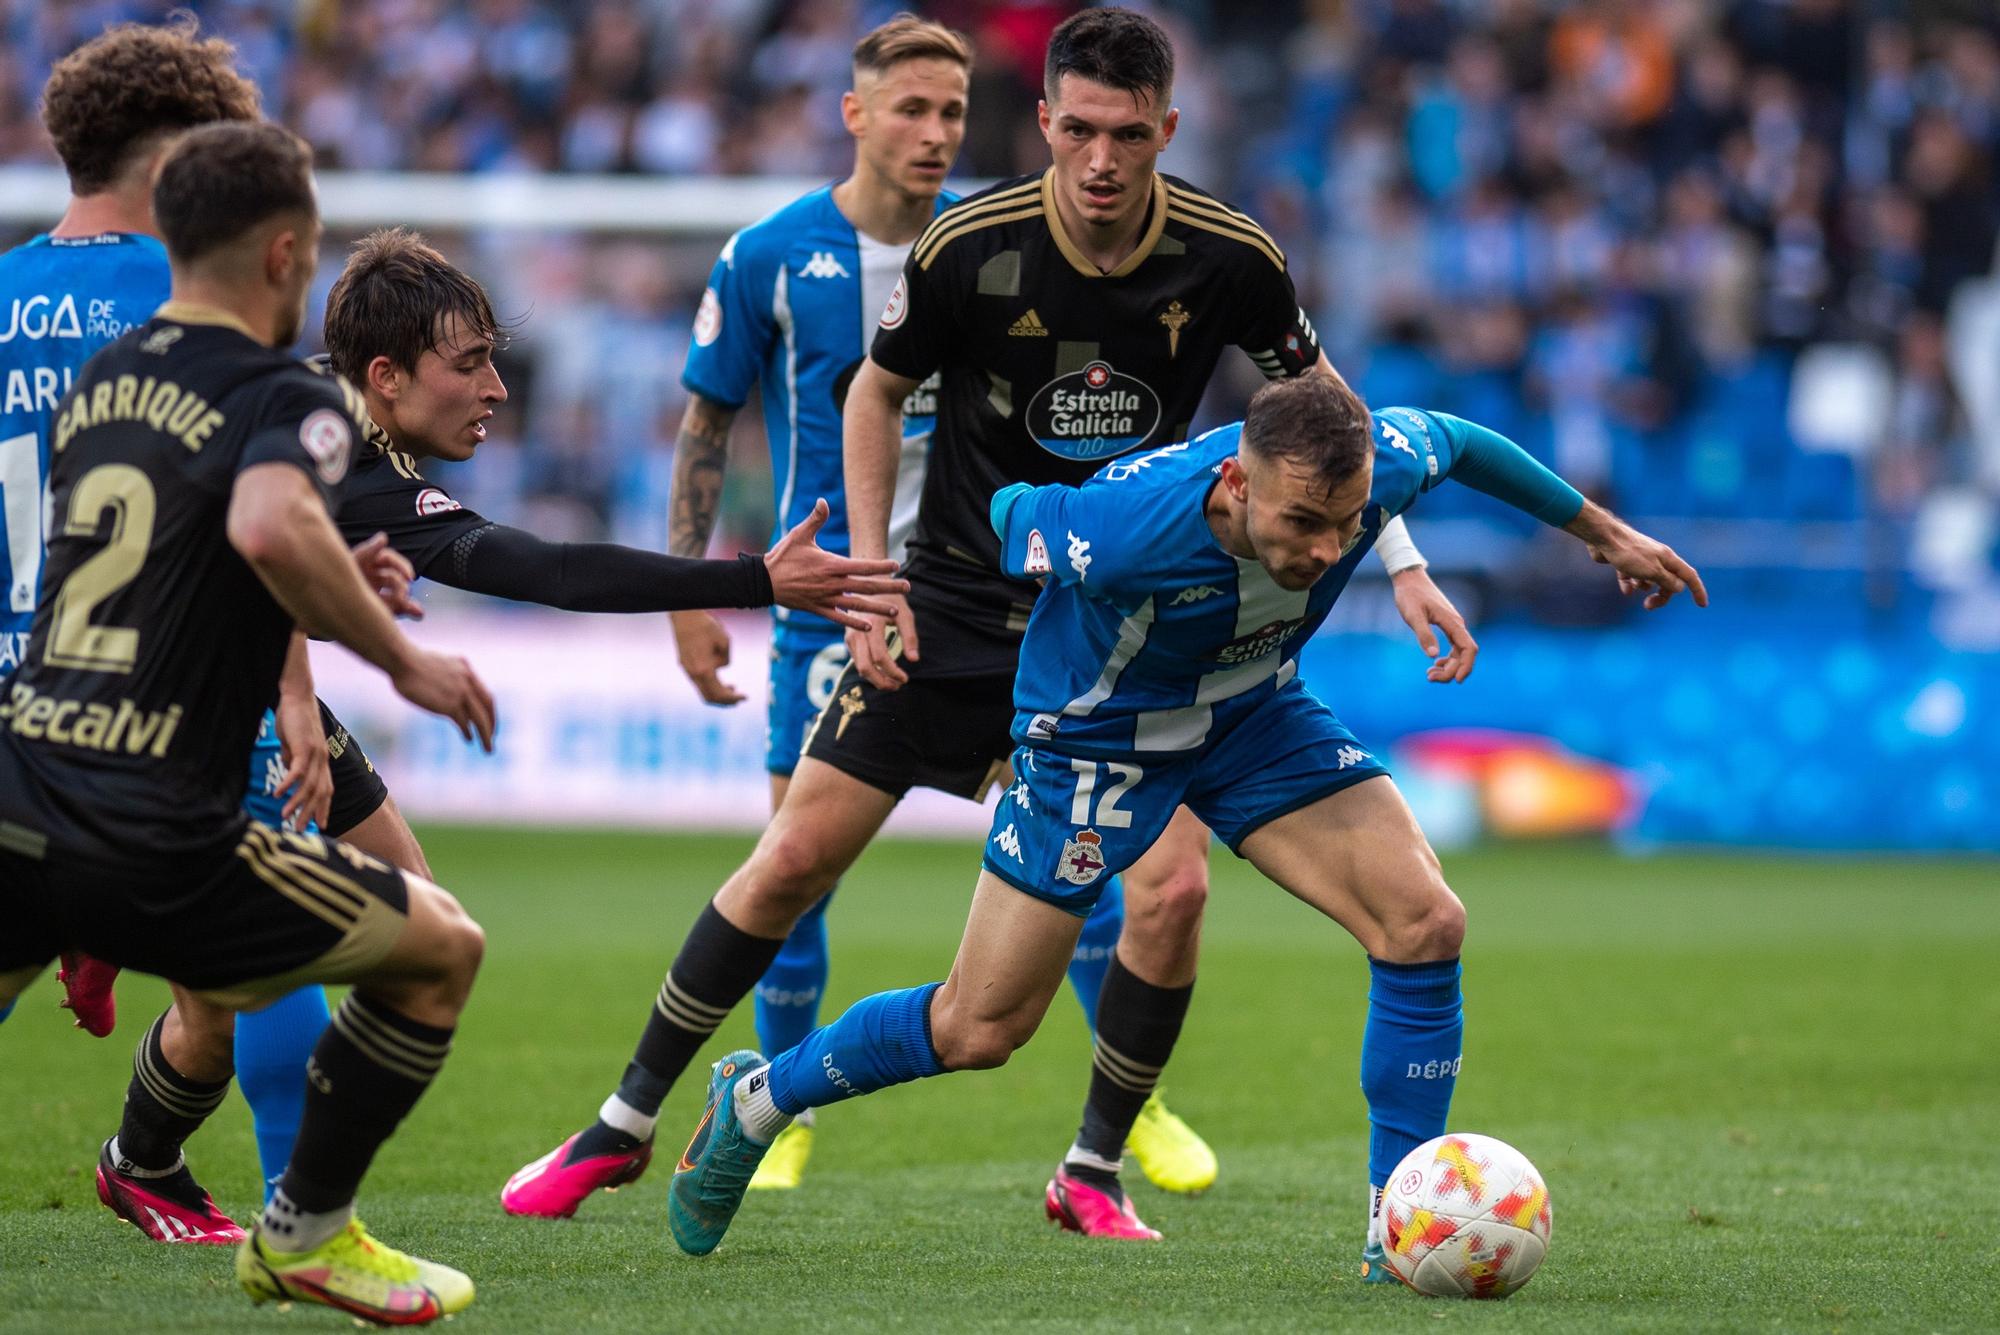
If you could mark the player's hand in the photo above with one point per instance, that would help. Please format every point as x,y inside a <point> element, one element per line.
<point>870,649</point>
<point>308,769</point>
<point>808,578</point>
<point>704,651</point>
<point>390,574</point>
<point>445,684</point>
<point>1422,605</point>
<point>1644,565</point>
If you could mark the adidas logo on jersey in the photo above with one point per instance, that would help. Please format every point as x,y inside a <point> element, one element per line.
<point>1194,595</point>
<point>1028,326</point>
<point>822,265</point>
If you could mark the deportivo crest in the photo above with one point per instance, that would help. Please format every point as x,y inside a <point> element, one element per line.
<point>1038,554</point>
<point>708,318</point>
<point>431,501</point>
<point>1082,859</point>
<point>328,439</point>
<point>1093,412</point>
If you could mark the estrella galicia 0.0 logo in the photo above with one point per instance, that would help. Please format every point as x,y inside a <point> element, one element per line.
<point>1093,413</point>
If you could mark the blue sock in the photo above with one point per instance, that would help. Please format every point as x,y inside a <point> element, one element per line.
<point>879,1041</point>
<point>1410,1052</point>
<point>1095,948</point>
<point>271,1050</point>
<point>789,993</point>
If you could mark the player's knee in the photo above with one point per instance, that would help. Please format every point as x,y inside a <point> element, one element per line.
<point>1435,932</point>
<point>978,1045</point>
<point>204,1039</point>
<point>1170,909</point>
<point>791,869</point>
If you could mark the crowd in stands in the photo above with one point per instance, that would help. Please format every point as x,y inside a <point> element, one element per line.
<point>1712,258</point>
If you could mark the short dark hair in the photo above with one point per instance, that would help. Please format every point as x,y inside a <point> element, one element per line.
<point>220,181</point>
<point>392,299</point>
<point>906,37</point>
<point>117,92</point>
<point>1316,421</point>
<point>1114,47</point>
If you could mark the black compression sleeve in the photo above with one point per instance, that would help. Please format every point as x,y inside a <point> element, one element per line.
<point>596,576</point>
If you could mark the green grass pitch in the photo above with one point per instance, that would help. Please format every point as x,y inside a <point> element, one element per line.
<point>1765,1093</point>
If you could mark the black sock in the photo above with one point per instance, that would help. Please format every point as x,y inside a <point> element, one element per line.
<point>162,1106</point>
<point>1137,1025</point>
<point>371,1066</point>
<point>717,966</point>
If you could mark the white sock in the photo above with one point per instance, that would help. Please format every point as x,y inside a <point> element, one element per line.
<point>622,1116</point>
<point>1374,1216</point>
<point>286,1228</point>
<point>1084,1158</point>
<point>130,1169</point>
<point>758,1114</point>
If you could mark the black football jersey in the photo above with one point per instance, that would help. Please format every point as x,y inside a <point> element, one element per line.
<point>1050,368</point>
<point>387,493</point>
<point>156,649</point>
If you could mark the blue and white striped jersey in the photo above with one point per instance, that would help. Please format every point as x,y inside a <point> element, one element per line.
<point>792,306</point>
<point>61,299</point>
<point>1149,638</point>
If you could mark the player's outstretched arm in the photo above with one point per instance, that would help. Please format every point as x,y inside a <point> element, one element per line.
<point>1644,565</point>
<point>871,448</point>
<point>605,577</point>
<point>279,524</point>
<point>308,777</point>
<point>701,455</point>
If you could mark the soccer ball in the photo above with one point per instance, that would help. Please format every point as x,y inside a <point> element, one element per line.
<point>1465,1216</point>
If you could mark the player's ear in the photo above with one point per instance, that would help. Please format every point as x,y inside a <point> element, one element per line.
<point>281,252</point>
<point>1169,125</point>
<point>1042,118</point>
<point>853,112</point>
<point>384,377</point>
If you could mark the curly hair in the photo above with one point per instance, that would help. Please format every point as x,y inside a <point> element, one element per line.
<point>110,97</point>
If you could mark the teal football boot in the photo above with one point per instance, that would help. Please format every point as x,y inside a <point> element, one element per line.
<point>715,1169</point>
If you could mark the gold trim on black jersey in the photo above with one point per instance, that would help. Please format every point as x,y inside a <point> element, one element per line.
<point>1147,240</point>
<point>189,312</point>
<point>1210,216</point>
<point>1002,206</point>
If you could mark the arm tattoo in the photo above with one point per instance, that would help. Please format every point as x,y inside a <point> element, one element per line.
<point>700,453</point>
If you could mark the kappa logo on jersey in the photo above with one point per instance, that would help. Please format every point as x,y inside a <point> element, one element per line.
<point>1038,554</point>
<point>708,318</point>
<point>329,441</point>
<point>1419,428</point>
<point>1028,326</point>
<point>1263,640</point>
<point>1009,840</point>
<point>1397,438</point>
<point>1079,557</point>
<point>1082,858</point>
<point>431,501</point>
<point>822,265</point>
<point>1093,412</point>
<point>1350,756</point>
<point>897,308</point>
<point>1193,595</point>
<point>1019,792</point>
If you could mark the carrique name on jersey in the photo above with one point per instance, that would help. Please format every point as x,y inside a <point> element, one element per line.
<point>160,404</point>
<point>90,725</point>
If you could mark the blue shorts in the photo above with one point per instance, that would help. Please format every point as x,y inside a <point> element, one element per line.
<point>262,799</point>
<point>1069,824</point>
<point>803,675</point>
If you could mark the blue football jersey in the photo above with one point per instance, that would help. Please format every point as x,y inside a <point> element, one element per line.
<point>792,306</point>
<point>61,299</point>
<point>1150,638</point>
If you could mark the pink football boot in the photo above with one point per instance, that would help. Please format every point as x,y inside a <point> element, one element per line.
<point>552,1186</point>
<point>87,992</point>
<point>1092,1211</point>
<point>166,1209</point>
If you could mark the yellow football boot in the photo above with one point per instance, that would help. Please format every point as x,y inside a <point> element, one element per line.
<point>785,1165</point>
<point>1170,1154</point>
<point>353,1273</point>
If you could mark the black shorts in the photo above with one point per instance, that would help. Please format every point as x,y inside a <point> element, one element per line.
<point>259,916</point>
<point>358,791</point>
<point>947,733</point>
